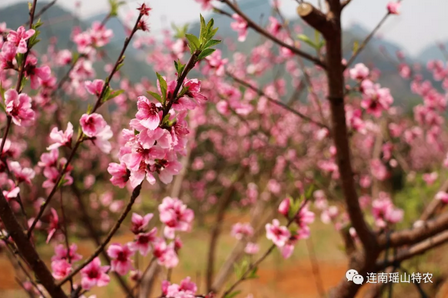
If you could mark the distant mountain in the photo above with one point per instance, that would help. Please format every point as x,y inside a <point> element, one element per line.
<point>433,52</point>
<point>260,10</point>
<point>60,22</point>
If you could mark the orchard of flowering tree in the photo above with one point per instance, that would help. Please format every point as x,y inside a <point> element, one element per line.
<point>218,165</point>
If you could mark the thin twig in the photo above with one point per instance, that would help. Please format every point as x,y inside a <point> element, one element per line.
<point>315,267</point>
<point>367,39</point>
<point>263,257</point>
<point>99,102</point>
<point>274,101</point>
<point>134,196</point>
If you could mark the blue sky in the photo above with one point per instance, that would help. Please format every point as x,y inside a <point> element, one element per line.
<point>421,23</point>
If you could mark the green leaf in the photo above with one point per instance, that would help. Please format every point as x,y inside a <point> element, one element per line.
<point>165,120</point>
<point>253,274</point>
<point>211,43</point>
<point>2,90</point>
<point>180,31</point>
<point>205,53</point>
<point>318,41</point>
<point>309,191</point>
<point>212,33</point>
<point>294,207</point>
<point>114,94</point>
<point>193,42</point>
<point>120,63</point>
<point>163,85</point>
<point>114,5</point>
<point>37,24</point>
<point>201,31</point>
<point>183,91</point>
<point>355,46</point>
<point>62,181</point>
<point>307,40</point>
<point>179,67</point>
<point>19,58</point>
<point>233,294</point>
<point>23,82</point>
<point>156,96</point>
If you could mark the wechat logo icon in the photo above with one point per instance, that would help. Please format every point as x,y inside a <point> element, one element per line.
<point>353,276</point>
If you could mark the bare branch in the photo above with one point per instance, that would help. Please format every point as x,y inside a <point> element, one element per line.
<point>274,101</point>
<point>415,235</point>
<point>345,3</point>
<point>434,204</point>
<point>27,250</point>
<point>414,250</point>
<point>266,34</point>
<point>134,196</point>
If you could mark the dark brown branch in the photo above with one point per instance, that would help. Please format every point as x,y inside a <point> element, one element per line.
<point>274,101</point>
<point>345,3</point>
<point>315,18</point>
<point>44,9</point>
<point>180,80</point>
<point>364,260</point>
<point>27,250</point>
<point>135,194</point>
<point>266,34</point>
<point>415,235</point>
<point>415,250</point>
<point>432,207</point>
<point>336,96</point>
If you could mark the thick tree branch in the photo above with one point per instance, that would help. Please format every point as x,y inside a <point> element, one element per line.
<point>27,250</point>
<point>434,204</point>
<point>414,250</point>
<point>336,96</point>
<point>415,235</point>
<point>315,18</point>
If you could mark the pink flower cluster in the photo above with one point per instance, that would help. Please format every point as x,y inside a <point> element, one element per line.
<point>176,216</point>
<point>384,212</point>
<point>240,26</point>
<point>152,144</point>
<point>186,289</point>
<point>375,99</point>
<point>18,106</point>
<point>96,129</point>
<point>61,262</point>
<point>240,230</point>
<point>52,167</point>
<point>281,236</point>
<point>95,37</point>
